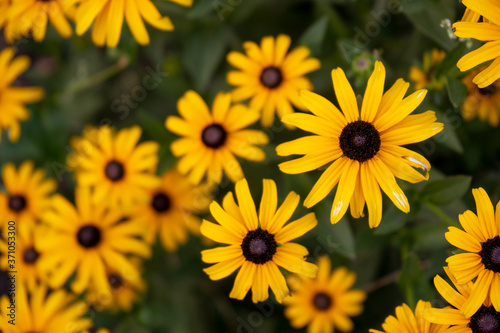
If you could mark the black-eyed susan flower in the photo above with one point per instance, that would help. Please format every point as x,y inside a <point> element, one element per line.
<point>123,293</point>
<point>488,31</point>
<point>27,198</point>
<point>271,77</point>
<point>483,103</point>
<point>89,239</point>
<point>4,6</point>
<point>13,99</point>
<point>32,16</point>
<point>118,168</point>
<point>324,302</point>
<point>26,260</point>
<point>408,322</point>
<point>170,210</point>
<point>107,17</point>
<point>212,139</point>
<point>365,146</point>
<point>257,244</point>
<point>424,77</point>
<point>485,320</point>
<point>41,311</point>
<point>481,259</point>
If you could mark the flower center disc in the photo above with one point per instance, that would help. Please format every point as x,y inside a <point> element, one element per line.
<point>490,254</point>
<point>259,246</point>
<point>115,281</point>
<point>17,203</point>
<point>161,202</point>
<point>30,256</point>
<point>359,141</point>
<point>89,236</point>
<point>322,301</point>
<point>114,171</point>
<point>485,320</point>
<point>487,91</point>
<point>271,77</point>
<point>214,136</point>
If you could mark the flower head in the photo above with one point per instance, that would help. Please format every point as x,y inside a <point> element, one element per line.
<point>257,244</point>
<point>424,77</point>
<point>365,147</point>
<point>107,28</point>
<point>270,77</point>
<point>408,322</point>
<point>120,171</point>
<point>95,240</point>
<point>12,99</point>
<point>481,102</point>
<point>170,210</point>
<point>481,259</point>
<point>211,139</point>
<point>488,31</point>
<point>27,198</point>
<point>324,302</point>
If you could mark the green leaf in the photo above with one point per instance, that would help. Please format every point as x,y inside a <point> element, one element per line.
<point>392,220</point>
<point>337,237</point>
<point>457,91</point>
<point>314,35</point>
<point>412,280</point>
<point>444,191</point>
<point>448,135</point>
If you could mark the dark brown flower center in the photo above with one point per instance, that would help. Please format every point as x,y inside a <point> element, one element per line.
<point>161,202</point>
<point>490,254</point>
<point>89,236</point>
<point>115,281</point>
<point>115,171</point>
<point>30,255</point>
<point>214,136</point>
<point>487,91</point>
<point>17,203</point>
<point>259,246</point>
<point>322,301</point>
<point>271,77</point>
<point>485,320</point>
<point>359,141</point>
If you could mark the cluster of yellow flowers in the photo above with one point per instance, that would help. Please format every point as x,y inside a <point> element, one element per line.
<point>121,205</point>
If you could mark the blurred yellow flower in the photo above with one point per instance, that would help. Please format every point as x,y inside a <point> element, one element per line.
<point>120,171</point>
<point>12,99</point>
<point>107,18</point>
<point>211,139</point>
<point>32,16</point>
<point>481,102</point>
<point>27,198</point>
<point>425,77</point>
<point>324,302</point>
<point>270,77</point>
<point>258,244</point>
<point>365,147</point>
<point>89,239</point>
<point>170,210</point>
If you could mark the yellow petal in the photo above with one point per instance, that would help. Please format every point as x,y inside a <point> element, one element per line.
<point>373,93</point>
<point>345,95</point>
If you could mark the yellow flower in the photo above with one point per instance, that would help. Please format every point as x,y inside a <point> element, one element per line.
<point>124,291</point>
<point>481,102</point>
<point>365,148</point>
<point>120,171</point>
<point>88,239</point>
<point>481,260</point>
<point>257,244</point>
<point>25,16</point>
<point>271,77</point>
<point>27,198</point>
<point>108,15</point>
<point>324,302</point>
<point>484,320</point>
<point>425,77</point>
<point>26,258</point>
<point>211,139</point>
<point>12,99</point>
<point>170,210</point>
<point>4,6</point>
<point>37,310</point>
<point>407,322</point>
<point>488,31</point>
